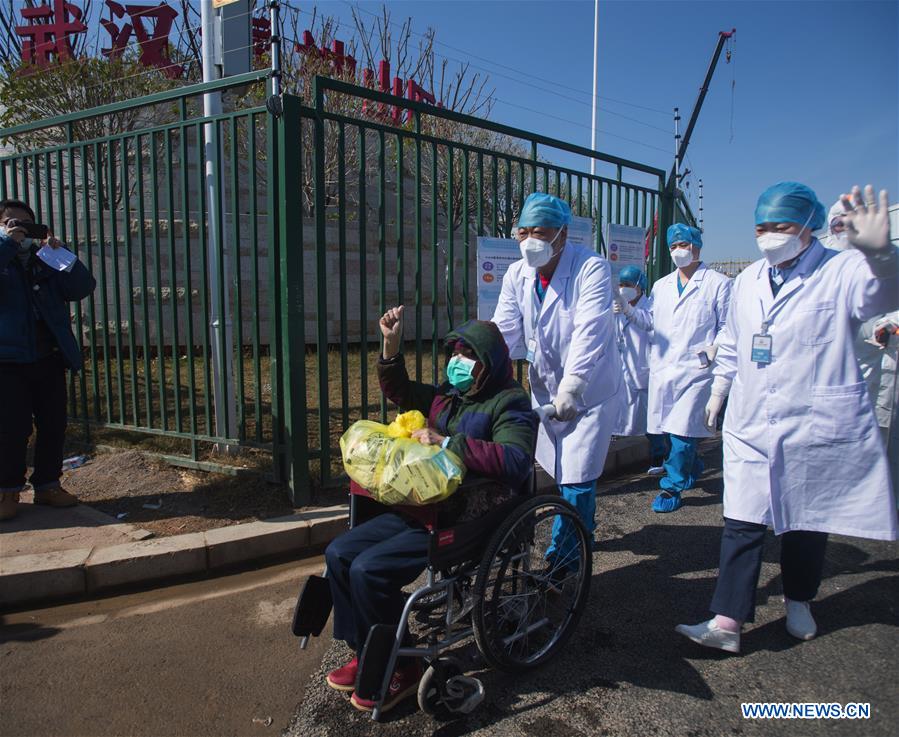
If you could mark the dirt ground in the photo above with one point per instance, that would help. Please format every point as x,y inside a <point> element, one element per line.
<point>168,500</point>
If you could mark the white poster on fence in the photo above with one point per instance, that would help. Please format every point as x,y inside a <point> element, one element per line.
<point>626,246</point>
<point>580,232</point>
<point>495,255</point>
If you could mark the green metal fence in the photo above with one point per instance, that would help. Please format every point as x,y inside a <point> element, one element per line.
<point>331,209</point>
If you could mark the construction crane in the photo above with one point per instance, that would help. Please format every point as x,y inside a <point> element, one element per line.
<point>683,143</point>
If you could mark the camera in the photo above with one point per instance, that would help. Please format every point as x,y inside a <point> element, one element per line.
<point>37,231</point>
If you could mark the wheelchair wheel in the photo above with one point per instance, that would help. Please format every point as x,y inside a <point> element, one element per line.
<point>528,603</point>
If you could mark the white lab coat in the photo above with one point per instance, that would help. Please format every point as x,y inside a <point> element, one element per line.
<point>634,346</point>
<point>679,387</point>
<point>574,330</point>
<point>802,450</point>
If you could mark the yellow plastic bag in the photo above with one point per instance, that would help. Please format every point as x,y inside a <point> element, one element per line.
<point>364,449</point>
<point>419,474</point>
<point>406,423</point>
<point>399,470</point>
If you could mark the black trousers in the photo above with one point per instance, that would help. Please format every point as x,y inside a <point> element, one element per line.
<point>801,563</point>
<point>367,569</point>
<point>32,394</point>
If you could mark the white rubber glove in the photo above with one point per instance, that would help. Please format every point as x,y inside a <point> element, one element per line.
<point>566,402</point>
<point>868,226</point>
<point>712,410</point>
<point>720,390</point>
<point>620,305</point>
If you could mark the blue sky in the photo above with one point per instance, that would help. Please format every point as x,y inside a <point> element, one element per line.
<point>816,96</point>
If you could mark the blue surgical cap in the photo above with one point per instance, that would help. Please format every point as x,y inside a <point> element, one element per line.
<point>542,209</point>
<point>682,233</point>
<point>790,202</point>
<point>633,275</point>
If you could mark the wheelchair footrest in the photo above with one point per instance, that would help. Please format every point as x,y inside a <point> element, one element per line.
<point>373,664</point>
<point>313,607</point>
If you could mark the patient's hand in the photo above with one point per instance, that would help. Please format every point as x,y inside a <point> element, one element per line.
<point>427,436</point>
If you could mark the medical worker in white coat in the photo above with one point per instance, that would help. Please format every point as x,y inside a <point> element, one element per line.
<point>555,310</point>
<point>802,451</point>
<point>634,346</point>
<point>687,311</point>
<point>876,347</point>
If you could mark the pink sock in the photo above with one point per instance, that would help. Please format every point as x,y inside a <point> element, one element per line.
<point>727,624</point>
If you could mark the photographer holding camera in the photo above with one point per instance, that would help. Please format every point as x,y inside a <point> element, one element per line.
<point>38,278</point>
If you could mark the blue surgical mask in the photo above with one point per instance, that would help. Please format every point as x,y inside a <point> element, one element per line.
<point>460,372</point>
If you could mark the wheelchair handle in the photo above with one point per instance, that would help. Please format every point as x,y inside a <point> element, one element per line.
<point>546,412</point>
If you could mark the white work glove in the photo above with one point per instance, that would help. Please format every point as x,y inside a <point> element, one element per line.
<point>570,390</point>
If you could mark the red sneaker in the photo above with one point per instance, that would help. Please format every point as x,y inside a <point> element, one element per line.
<point>404,683</point>
<point>344,678</point>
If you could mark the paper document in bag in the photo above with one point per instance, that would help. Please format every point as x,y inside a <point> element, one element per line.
<point>58,259</point>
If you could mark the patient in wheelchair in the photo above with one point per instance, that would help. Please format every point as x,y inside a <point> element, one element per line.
<point>481,414</point>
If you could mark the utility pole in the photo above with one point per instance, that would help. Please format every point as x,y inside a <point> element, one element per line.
<point>676,149</point>
<point>700,206</point>
<point>595,84</point>
<point>220,323</point>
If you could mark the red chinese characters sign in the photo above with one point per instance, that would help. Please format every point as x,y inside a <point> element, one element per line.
<point>48,30</point>
<point>341,61</point>
<point>153,42</point>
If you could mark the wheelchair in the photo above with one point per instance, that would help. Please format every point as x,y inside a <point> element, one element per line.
<point>486,579</point>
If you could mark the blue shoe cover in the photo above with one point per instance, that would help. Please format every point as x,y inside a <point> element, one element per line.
<point>667,501</point>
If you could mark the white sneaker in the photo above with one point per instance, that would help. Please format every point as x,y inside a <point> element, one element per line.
<point>708,634</point>
<point>655,470</point>
<point>800,622</point>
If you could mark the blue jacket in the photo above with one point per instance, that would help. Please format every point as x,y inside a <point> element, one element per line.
<point>48,295</point>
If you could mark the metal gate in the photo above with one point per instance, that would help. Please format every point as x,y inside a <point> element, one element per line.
<point>330,209</point>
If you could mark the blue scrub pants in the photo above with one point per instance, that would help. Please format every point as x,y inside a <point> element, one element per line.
<point>683,466</point>
<point>563,546</point>
<point>658,448</point>
<point>367,569</point>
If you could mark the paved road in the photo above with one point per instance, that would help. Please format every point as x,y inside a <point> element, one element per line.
<point>206,658</point>
<point>626,672</point>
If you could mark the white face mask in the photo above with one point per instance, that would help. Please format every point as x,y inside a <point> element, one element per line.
<point>682,257</point>
<point>536,252</point>
<point>837,241</point>
<point>25,245</point>
<point>629,294</point>
<point>779,247</point>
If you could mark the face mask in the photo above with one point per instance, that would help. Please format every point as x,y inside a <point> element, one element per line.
<point>682,257</point>
<point>838,241</point>
<point>26,243</point>
<point>536,252</point>
<point>779,247</point>
<point>629,294</point>
<point>459,372</point>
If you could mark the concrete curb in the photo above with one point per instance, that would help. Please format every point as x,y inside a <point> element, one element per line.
<point>72,573</point>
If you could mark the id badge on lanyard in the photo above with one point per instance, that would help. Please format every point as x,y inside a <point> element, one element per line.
<point>762,344</point>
